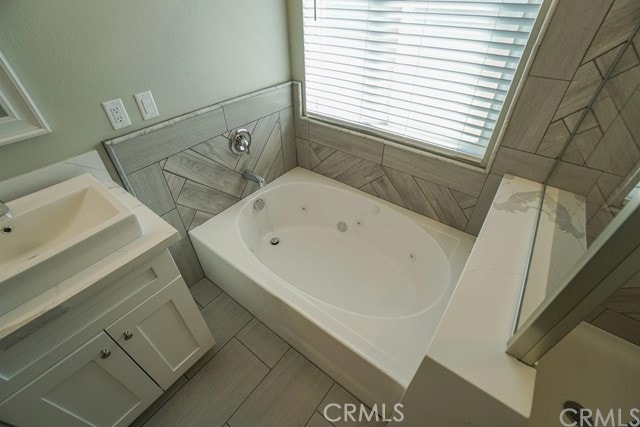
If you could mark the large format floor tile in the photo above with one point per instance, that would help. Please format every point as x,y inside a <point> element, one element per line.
<point>252,377</point>
<point>318,420</point>
<point>340,396</point>
<point>288,396</point>
<point>204,292</point>
<point>216,392</point>
<point>225,318</point>
<point>264,343</point>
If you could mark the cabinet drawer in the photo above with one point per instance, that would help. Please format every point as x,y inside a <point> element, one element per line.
<point>165,334</point>
<point>96,385</point>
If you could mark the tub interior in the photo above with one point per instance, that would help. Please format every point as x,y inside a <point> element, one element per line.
<point>349,252</point>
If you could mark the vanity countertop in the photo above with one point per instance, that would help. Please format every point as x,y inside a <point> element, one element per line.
<point>157,235</point>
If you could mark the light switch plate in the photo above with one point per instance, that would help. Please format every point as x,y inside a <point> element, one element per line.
<point>146,105</point>
<point>116,113</point>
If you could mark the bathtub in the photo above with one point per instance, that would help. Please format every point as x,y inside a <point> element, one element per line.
<point>356,284</point>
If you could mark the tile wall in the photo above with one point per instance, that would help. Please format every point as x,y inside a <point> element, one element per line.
<point>577,50</point>
<point>607,144</point>
<point>446,192</point>
<point>620,313</point>
<point>450,192</point>
<point>604,153</point>
<point>185,172</point>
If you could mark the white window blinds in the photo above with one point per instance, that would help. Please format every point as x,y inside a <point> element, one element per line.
<point>429,72</point>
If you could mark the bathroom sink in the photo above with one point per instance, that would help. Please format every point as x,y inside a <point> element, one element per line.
<point>57,232</point>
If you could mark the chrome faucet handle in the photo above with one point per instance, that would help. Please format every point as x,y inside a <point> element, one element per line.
<point>240,141</point>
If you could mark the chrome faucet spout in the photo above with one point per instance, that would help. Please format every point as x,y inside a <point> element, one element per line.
<point>252,176</point>
<point>5,212</point>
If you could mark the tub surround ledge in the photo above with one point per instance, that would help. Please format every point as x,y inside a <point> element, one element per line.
<point>466,378</point>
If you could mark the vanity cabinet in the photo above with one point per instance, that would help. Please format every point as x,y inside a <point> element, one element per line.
<point>98,385</point>
<point>165,335</point>
<point>133,350</point>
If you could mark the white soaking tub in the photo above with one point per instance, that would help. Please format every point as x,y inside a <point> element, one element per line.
<point>357,284</point>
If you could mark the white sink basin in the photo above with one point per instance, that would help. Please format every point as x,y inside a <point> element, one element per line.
<point>57,232</point>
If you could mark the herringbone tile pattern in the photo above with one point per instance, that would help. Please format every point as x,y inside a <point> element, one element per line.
<point>424,197</point>
<point>185,172</point>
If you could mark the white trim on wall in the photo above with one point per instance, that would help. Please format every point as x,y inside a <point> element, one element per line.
<point>23,120</point>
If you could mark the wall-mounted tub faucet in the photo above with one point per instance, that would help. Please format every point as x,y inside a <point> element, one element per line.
<point>240,141</point>
<point>4,210</point>
<point>251,176</point>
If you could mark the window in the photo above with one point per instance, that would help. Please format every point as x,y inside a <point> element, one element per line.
<point>432,73</point>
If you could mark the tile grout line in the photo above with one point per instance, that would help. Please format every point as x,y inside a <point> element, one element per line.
<point>207,362</point>
<point>257,385</point>
<point>217,296</point>
<point>273,332</point>
<point>260,118</point>
<point>213,356</point>
<point>188,379</point>
<point>165,402</point>
<point>281,143</point>
<point>333,382</point>
<point>165,158</point>
<point>322,416</point>
<point>252,352</point>
<point>589,106</point>
<point>224,116</point>
<point>225,344</point>
<point>291,348</point>
<point>205,185</point>
<point>583,60</point>
<point>269,369</point>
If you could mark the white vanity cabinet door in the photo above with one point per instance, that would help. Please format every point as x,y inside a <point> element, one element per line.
<point>165,334</point>
<point>96,385</point>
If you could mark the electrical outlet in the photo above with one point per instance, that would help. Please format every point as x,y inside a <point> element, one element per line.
<point>146,105</point>
<point>116,113</point>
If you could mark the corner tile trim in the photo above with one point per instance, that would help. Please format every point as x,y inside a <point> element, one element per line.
<point>161,125</point>
<point>173,135</point>
<point>196,113</point>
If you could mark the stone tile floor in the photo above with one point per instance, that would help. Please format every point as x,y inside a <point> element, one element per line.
<point>251,377</point>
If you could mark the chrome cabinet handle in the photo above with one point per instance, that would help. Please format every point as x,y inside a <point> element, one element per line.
<point>104,354</point>
<point>127,335</point>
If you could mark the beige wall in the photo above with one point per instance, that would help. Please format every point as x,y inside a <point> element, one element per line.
<point>73,54</point>
<point>294,11</point>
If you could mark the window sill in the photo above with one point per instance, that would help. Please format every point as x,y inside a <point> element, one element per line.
<point>371,145</point>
